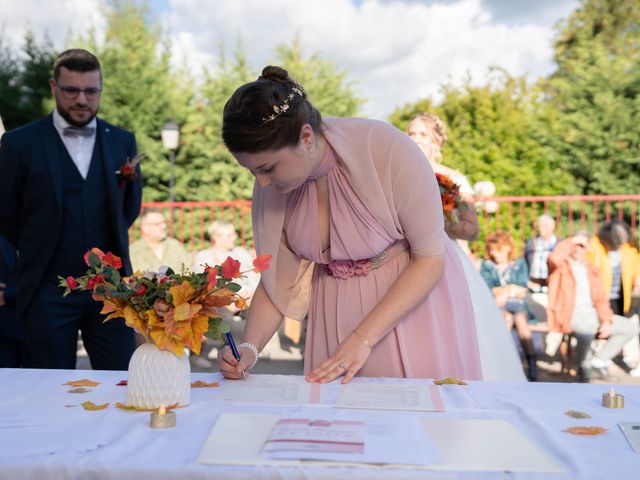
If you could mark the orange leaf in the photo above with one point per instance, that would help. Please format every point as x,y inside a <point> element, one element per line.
<point>585,430</point>
<point>182,293</point>
<point>261,263</point>
<point>133,320</point>
<point>165,342</point>
<point>90,406</point>
<point>449,381</point>
<point>82,383</point>
<point>201,384</point>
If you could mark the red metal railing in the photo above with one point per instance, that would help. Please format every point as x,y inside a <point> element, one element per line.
<point>189,221</point>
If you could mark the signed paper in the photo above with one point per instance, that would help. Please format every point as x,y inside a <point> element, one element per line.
<point>390,396</point>
<point>631,430</point>
<point>267,389</point>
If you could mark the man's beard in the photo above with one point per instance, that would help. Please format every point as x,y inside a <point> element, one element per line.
<point>71,121</point>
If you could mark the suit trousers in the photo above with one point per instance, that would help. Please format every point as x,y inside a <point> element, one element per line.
<point>53,323</point>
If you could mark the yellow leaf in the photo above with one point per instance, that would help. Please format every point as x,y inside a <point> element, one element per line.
<point>114,307</point>
<point>449,381</point>
<point>165,342</point>
<point>201,384</point>
<point>577,414</point>
<point>82,383</point>
<point>182,293</point>
<point>154,318</point>
<point>193,334</point>
<point>133,320</point>
<point>92,406</point>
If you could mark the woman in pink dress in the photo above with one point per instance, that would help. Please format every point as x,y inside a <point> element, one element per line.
<point>351,213</point>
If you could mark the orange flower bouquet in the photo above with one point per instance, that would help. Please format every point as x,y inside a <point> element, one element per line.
<point>172,310</point>
<point>452,201</point>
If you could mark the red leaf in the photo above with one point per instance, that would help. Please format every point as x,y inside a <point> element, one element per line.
<point>261,263</point>
<point>121,383</point>
<point>111,260</point>
<point>95,250</point>
<point>230,268</point>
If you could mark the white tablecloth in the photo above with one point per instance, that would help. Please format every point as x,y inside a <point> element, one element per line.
<point>117,444</point>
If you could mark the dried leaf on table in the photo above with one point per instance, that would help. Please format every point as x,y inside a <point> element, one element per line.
<point>449,381</point>
<point>78,390</point>
<point>122,383</point>
<point>70,405</point>
<point>201,384</point>
<point>133,408</point>
<point>585,430</point>
<point>92,406</point>
<point>577,414</point>
<point>82,383</point>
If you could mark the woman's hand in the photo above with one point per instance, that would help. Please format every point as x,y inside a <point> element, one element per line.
<point>235,369</point>
<point>347,360</point>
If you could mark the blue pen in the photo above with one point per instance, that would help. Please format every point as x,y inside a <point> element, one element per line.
<point>232,344</point>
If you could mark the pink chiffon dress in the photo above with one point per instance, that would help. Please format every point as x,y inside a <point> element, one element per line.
<point>436,339</point>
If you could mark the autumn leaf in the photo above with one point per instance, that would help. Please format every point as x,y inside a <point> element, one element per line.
<point>79,390</point>
<point>132,319</point>
<point>69,405</point>
<point>122,383</point>
<point>449,381</point>
<point>111,260</point>
<point>577,414</point>
<point>201,384</point>
<point>230,268</point>
<point>90,406</point>
<point>261,263</point>
<point>165,342</point>
<point>82,383</point>
<point>182,293</point>
<point>585,430</point>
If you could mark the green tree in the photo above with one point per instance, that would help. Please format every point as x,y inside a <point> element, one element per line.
<point>596,92</point>
<point>140,91</point>
<point>496,132</point>
<point>9,87</point>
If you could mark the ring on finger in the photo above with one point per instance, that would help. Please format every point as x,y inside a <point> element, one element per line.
<point>342,366</point>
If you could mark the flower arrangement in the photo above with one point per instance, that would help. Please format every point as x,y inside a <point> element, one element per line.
<point>127,171</point>
<point>452,201</point>
<point>172,310</point>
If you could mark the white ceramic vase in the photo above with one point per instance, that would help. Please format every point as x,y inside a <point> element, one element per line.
<point>158,377</point>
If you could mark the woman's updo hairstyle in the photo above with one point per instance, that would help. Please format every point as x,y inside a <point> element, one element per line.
<point>267,114</point>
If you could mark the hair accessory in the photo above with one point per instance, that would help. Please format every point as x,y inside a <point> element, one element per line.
<point>282,109</point>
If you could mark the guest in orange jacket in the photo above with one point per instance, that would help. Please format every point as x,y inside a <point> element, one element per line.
<point>579,305</point>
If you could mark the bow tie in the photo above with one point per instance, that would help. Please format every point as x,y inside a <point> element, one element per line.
<point>78,131</point>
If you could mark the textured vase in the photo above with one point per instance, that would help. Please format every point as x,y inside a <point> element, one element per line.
<point>158,377</point>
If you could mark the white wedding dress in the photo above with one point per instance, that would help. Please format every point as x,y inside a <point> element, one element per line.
<point>499,357</point>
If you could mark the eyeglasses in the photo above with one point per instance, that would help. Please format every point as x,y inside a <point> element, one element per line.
<point>72,93</point>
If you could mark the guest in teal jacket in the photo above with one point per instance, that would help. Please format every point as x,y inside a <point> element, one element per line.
<point>506,274</point>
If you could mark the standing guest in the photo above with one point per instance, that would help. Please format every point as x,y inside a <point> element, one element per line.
<point>536,253</point>
<point>498,354</point>
<point>579,305</point>
<point>351,212</point>
<point>506,275</point>
<point>154,248</point>
<point>14,351</point>
<point>62,193</point>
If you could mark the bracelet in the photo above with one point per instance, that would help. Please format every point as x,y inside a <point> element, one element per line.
<point>254,349</point>
<point>365,342</point>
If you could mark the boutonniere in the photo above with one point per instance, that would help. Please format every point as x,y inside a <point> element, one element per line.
<point>127,171</point>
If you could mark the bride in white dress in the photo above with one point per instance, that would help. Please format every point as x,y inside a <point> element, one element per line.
<point>498,354</point>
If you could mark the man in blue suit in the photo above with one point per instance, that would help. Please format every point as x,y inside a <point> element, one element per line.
<point>61,193</point>
<point>13,340</point>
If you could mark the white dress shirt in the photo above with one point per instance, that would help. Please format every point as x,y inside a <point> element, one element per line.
<point>80,148</point>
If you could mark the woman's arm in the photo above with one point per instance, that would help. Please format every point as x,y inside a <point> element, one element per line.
<point>466,227</point>
<point>410,288</point>
<point>262,323</point>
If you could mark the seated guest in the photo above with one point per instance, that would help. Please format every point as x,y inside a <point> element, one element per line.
<point>579,305</point>
<point>506,275</point>
<point>223,238</point>
<point>536,252</point>
<point>14,351</point>
<point>155,248</point>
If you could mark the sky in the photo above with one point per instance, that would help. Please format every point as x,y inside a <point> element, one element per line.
<point>394,51</point>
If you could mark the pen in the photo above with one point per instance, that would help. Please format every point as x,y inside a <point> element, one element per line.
<point>234,350</point>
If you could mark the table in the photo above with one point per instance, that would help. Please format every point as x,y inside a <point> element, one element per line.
<point>133,450</point>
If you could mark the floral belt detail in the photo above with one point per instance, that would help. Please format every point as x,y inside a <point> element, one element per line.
<point>349,268</point>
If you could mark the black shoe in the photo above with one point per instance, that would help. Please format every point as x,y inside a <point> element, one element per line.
<point>532,372</point>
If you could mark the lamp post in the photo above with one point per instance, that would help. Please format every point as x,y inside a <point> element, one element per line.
<point>170,138</point>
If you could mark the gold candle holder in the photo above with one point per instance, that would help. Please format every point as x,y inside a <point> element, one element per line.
<point>612,400</point>
<point>162,418</point>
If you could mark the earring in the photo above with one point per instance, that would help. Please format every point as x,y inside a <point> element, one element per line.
<point>310,147</point>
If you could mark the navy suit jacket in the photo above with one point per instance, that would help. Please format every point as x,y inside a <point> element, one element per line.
<point>9,327</point>
<point>31,195</point>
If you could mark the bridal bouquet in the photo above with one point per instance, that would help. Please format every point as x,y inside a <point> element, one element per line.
<point>452,201</point>
<point>172,310</point>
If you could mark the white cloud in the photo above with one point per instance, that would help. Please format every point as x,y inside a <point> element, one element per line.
<point>395,51</point>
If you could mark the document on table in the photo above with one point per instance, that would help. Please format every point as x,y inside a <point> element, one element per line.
<point>269,389</point>
<point>240,439</point>
<point>391,396</point>
<point>631,430</point>
<point>486,445</point>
